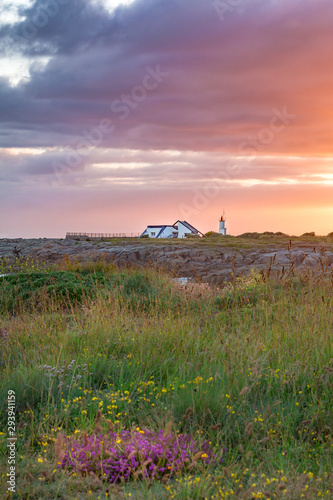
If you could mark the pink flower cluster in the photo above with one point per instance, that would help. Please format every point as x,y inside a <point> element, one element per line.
<point>140,454</point>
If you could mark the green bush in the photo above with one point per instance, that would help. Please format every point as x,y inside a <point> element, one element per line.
<point>279,233</point>
<point>245,291</point>
<point>211,233</point>
<point>64,289</point>
<point>311,234</point>
<point>32,290</point>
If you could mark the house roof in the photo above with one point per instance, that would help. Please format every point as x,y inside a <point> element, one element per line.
<point>189,227</point>
<point>161,231</point>
<point>160,225</point>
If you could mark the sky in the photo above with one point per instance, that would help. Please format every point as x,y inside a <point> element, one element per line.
<point>119,114</point>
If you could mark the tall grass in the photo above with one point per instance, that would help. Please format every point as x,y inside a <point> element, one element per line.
<point>248,367</point>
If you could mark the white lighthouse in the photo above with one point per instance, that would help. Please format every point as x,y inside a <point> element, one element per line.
<point>222,228</point>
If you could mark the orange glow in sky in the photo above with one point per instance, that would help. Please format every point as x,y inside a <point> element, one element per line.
<point>113,119</point>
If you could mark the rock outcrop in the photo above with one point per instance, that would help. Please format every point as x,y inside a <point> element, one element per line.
<point>207,262</point>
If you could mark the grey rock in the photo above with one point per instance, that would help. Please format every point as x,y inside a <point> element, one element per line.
<point>211,263</point>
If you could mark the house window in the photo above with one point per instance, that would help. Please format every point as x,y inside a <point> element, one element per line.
<point>153,234</point>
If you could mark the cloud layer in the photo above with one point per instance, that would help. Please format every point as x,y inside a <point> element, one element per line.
<point>162,97</point>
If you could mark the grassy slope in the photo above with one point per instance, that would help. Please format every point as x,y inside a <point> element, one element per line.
<point>256,241</point>
<point>249,368</point>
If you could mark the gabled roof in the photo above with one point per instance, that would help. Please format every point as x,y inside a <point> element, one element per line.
<point>162,228</point>
<point>189,227</point>
<point>161,231</point>
<point>160,225</point>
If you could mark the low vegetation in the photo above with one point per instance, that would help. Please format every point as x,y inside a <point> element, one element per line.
<point>129,385</point>
<point>215,240</point>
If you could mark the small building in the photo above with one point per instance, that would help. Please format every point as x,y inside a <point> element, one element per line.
<point>180,229</point>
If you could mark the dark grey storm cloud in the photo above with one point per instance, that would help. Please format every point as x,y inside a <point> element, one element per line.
<point>222,79</point>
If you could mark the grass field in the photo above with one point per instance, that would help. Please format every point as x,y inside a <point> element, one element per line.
<point>215,241</point>
<point>245,373</point>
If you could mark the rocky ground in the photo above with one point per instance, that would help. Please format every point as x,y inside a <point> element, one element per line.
<point>209,262</point>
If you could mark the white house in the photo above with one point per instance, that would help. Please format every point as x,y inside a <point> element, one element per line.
<point>180,229</point>
<point>160,232</point>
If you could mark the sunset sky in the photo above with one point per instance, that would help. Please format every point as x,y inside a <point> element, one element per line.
<point>119,114</point>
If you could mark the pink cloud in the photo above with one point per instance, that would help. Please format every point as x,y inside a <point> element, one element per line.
<point>225,84</point>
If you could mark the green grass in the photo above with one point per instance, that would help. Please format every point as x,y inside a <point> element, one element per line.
<point>244,241</point>
<point>248,367</point>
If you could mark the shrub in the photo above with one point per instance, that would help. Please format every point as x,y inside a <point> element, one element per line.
<point>136,454</point>
<point>33,289</point>
<point>309,234</point>
<point>244,291</point>
<point>55,290</point>
<point>253,236</point>
<point>211,233</point>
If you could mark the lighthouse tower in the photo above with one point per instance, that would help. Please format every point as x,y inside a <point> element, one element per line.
<point>222,228</point>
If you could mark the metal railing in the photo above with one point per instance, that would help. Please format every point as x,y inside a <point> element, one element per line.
<point>101,235</point>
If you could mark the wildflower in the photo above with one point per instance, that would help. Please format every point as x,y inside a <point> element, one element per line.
<point>146,454</point>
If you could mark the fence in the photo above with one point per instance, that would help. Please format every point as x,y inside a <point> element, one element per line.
<point>99,236</point>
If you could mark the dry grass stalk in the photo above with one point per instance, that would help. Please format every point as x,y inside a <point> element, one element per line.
<point>60,447</point>
<point>187,414</point>
<point>215,427</point>
<point>4,335</point>
<point>264,440</point>
<point>244,391</point>
<point>248,429</point>
<point>168,429</point>
<point>98,427</point>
